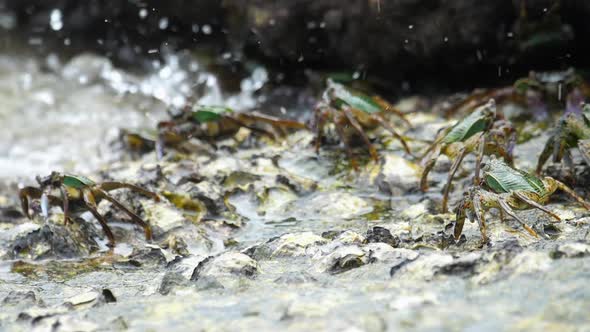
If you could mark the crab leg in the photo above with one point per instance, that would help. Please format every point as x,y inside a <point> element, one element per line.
<point>437,141</point>
<point>344,139</point>
<point>320,118</point>
<point>480,216</point>
<point>567,190</point>
<point>544,156</point>
<point>112,185</point>
<point>428,167</point>
<point>504,206</point>
<point>389,128</point>
<point>452,171</point>
<point>272,134</point>
<point>532,203</point>
<point>387,107</point>
<point>90,202</point>
<point>146,227</point>
<point>360,131</point>
<point>480,152</point>
<point>460,217</point>
<point>275,122</point>
<point>66,203</point>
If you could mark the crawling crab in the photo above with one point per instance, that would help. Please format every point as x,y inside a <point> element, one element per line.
<point>215,121</point>
<point>572,131</point>
<point>535,92</point>
<point>483,132</point>
<point>508,189</point>
<point>349,108</point>
<point>77,194</point>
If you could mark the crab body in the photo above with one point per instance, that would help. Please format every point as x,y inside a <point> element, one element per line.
<point>572,131</point>
<point>507,189</point>
<point>211,122</point>
<point>79,194</point>
<point>353,112</point>
<point>483,132</point>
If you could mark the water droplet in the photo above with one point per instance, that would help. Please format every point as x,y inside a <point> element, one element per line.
<point>446,39</point>
<point>55,20</point>
<point>163,24</point>
<point>143,13</point>
<point>207,29</point>
<point>35,41</point>
<point>411,26</point>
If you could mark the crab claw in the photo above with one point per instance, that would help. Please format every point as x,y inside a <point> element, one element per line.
<point>45,205</point>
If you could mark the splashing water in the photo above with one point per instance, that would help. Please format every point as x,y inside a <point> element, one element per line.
<point>63,116</point>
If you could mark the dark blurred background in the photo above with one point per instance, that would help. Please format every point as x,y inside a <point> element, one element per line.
<point>422,43</point>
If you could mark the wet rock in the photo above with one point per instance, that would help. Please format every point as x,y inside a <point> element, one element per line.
<point>172,280</point>
<point>529,262</point>
<point>209,193</point>
<point>21,299</point>
<point>228,264</point>
<point>289,245</point>
<point>398,175</point>
<point>56,240</point>
<point>295,278</point>
<point>342,259</point>
<point>150,256</point>
<point>463,266</point>
<point>384,253</point>
<point>175,244</point>
<point>379,234</point>
<point>162,217</point>
<point>349,237</point>
<point>423,268</point>
<point>92,298</point>
<point>412,301</point>
<point>571,250</point>
<point>339,205</point>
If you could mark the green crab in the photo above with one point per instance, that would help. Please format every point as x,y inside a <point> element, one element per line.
<point>77,194</point>
<point>507,189</point>
<point>535,92</point>
<point>483,132</point>
<point>217,121</point>
<point>349,108</point>
<point>572,131</point>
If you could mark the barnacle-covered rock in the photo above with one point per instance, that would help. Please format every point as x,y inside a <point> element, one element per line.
<point>227,269</point>
<point>342,259</point>
<point>289,245</point>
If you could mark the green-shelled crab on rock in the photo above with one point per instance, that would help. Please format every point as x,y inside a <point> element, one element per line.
<point>79,194</point>
<point>572,131</point>
<point>353,112</point>
<point>483,132</point>
<point>207,122</point>
<point>508,189</point>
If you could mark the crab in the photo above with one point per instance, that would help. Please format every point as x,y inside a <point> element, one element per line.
<point>349,108</point>
<point>483,132</point>
<point>534,92</point>
<point>78,194</point>
<point>507,189</point>
<point>572,131</point>
<point>216,121</point>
